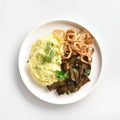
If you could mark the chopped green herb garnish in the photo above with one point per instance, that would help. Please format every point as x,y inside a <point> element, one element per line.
<point>67,92</point>
<point>66,74</point>
<point>62,74</point>
<point>49,53</point>
<point>87,72</point>
<point>27,61</point>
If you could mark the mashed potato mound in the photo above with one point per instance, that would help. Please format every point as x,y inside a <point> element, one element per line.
<point>44,72</point>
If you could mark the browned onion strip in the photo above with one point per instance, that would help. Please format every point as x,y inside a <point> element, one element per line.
<point>71,35</point>
<point>90,50</point>
<point>60,34</point>
<point>67,51</point>
<point>88,36</point>
<point>88,39</point>
<point>86,58</point>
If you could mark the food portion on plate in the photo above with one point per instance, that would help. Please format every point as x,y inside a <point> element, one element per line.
<point>62,60</point>
<point>45,59</point>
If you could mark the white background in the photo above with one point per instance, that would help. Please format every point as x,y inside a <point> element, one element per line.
<point>19,17</point>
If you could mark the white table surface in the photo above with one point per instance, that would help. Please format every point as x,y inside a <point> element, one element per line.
<point>18,18</point>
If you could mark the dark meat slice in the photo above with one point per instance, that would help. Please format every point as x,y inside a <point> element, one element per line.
<point>63,64</point>
<point>62,90</point>
<point>56,85</point>
<point>76,74</point>
<point>83,81</point>
<point>66,66</point>
<point>86,66</point>
<point>77,63</point>
<point>69,87</point>
<point>71,61</point>
<point>83,68</point>
<point>72,77</point>
<point>80,72</point>
<point>86,69</point>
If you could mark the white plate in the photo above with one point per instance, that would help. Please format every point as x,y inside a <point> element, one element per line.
<point>42,92</point>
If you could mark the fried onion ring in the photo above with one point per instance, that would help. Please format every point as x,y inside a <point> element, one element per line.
<point>83,49</point>
<point>90,50</point>
<point>67,51</point>
<point>59,34</point>
<point>71,35</point>
<point>85,35</point>
<point>76,46</point>
<point>86,58</point>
